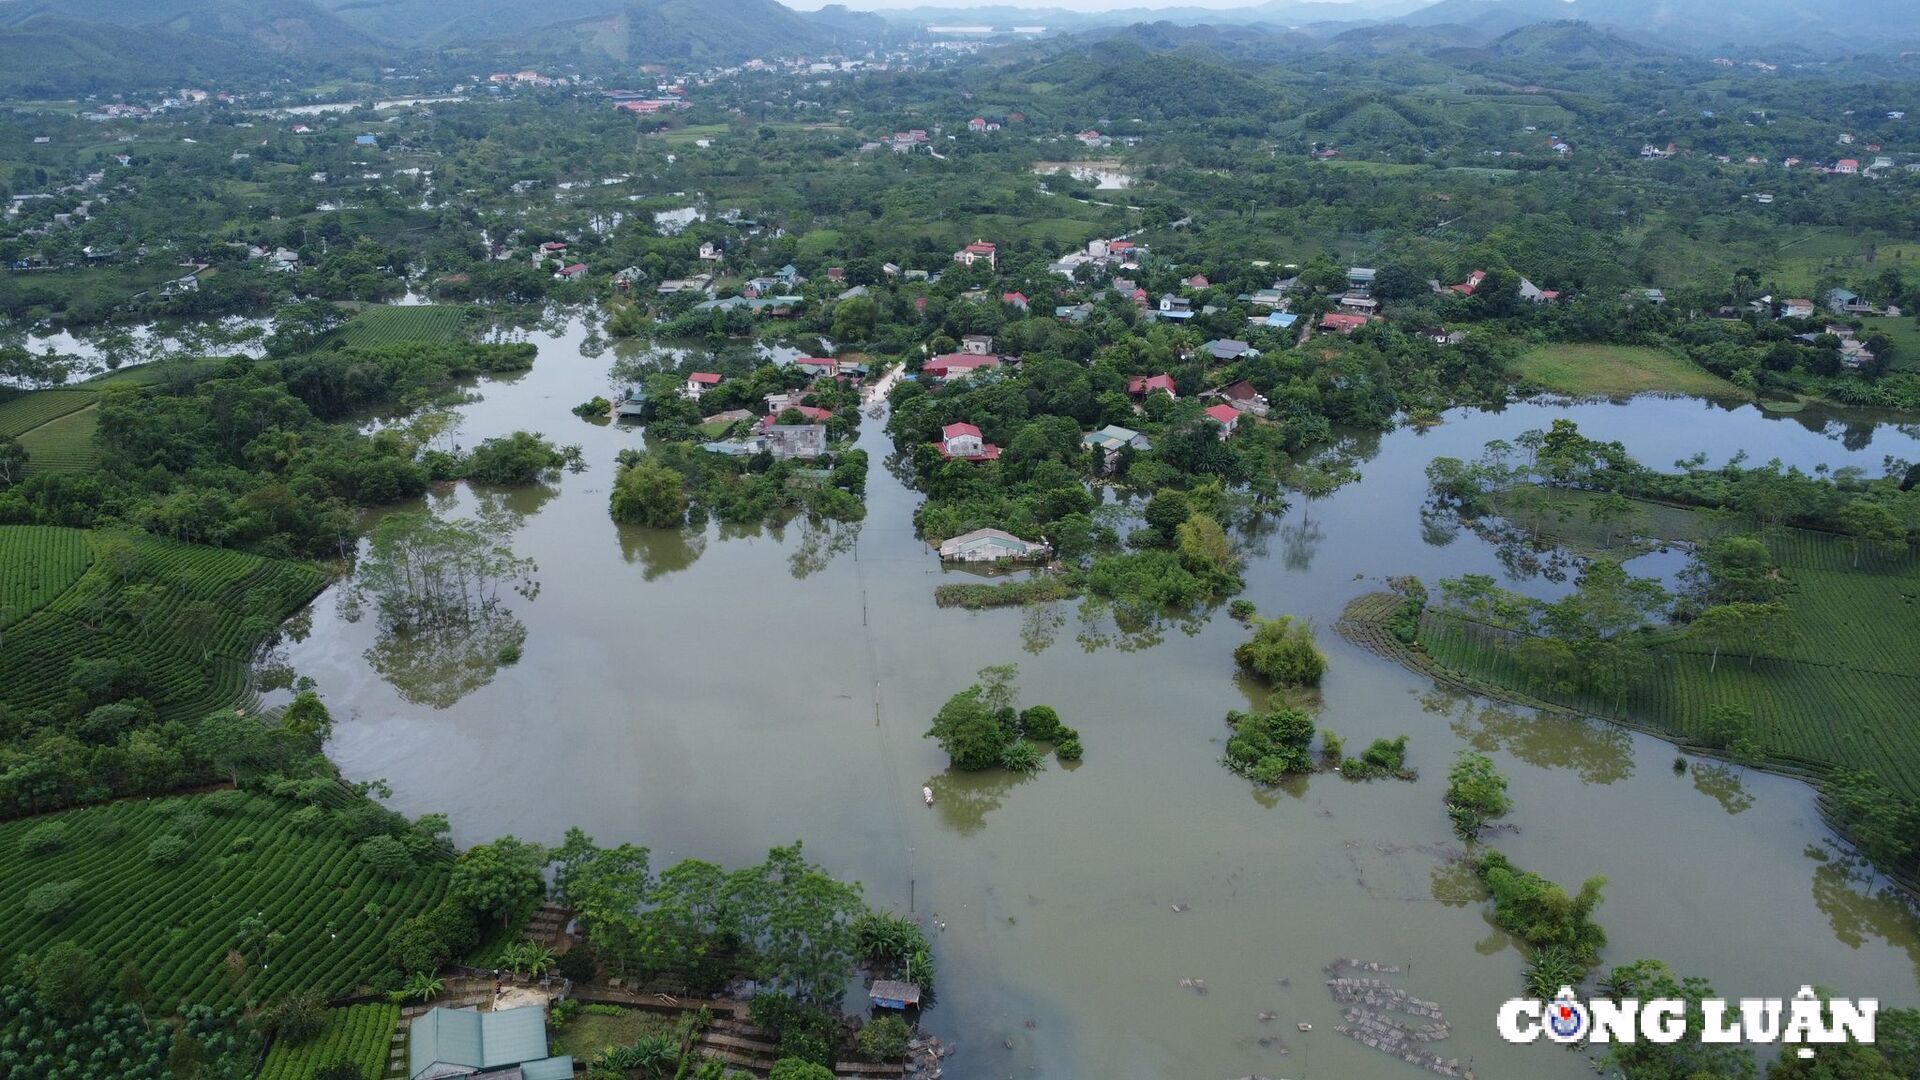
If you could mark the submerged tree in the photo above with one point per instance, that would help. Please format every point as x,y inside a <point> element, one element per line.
<point>444,625</point>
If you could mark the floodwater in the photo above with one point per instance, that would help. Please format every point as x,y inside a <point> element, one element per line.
<point>349,106</point>
<point>1106,175</point>
<point>713,696</point>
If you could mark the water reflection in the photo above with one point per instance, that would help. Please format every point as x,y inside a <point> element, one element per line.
<point>820,543</point>
<point>659,552</point>
<point>1600,753</point>
<point>1723,784</point>
<point>1859,914</point>
<point>435,586</point>
<point>441,663</point>
<point>962,800</point>
<point>1299,543</point>
<point>1039,625</point>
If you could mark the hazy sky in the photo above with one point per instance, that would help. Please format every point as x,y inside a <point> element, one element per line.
<point>1074,5</point>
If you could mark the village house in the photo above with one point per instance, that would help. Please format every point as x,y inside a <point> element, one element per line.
<point>1073,313</point>
<point>1271,298</point>
<point>1846,166</point>
<point>1224,415</point>
<point>1534,293</point>
<point>700,283</point>
<point>633,405</point>
<point>1275,320</point>
<point>962,442</point>
<point>813,414</point>
<point>1110,440</point>
<point>1015,300</point>
<point>1796,309</point>
<point>444,1043</point>
<point>1241,396</point>
<point>1227,350</point>
<point>1360,280</point>
<point>976,344</point>
<point>1467,287</point>
<point>699,383</point>
<point>893,994</point>
<point>711,253</point>
<point>1198,281</point>
<point>1854,353</point>
<point>1339,323</point>
<point>792,441</point>
<point>571,273</point>
<point>1848,302</point>
<point>1177,308</point>
<point>991,545</point>
<point>977,251</point>
<point>1359,305</point>
<point>953,366</point>
<point>1139,386</point>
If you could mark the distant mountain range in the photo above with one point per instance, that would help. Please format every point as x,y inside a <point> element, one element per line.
<point>1828,27</point>
<point>77,46</point>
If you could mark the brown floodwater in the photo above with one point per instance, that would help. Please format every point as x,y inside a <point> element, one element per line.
<point>713,695</point>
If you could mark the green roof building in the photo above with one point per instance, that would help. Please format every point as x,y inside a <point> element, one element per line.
<point>510,1044</point>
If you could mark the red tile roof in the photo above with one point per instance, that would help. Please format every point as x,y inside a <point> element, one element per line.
<point>1333,320</point>
<point>815,414</point>
<point>706,377</point>
<point>1223,413</point>
<point>954,431</point>
<point>1147,384</point>
<point>1473,282</point>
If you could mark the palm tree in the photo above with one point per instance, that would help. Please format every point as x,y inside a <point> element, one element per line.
<point>1552,968</point>
<point>1617,984</point>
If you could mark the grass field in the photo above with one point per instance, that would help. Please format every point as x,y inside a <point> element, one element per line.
<point>181,924</point>
<point>435,323</point>
<point>686,136</point>
<point>587,1034</point>
<point>1837,690</point>
<point>361,1034</point>
<point>1617,371</point>
<point>1373,168</point>
<point>188,616</point>
<point>1905,333</point>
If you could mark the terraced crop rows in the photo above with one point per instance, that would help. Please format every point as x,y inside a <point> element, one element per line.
<point>64,444</point>
<point>180,924</point>
<point>193,626</point>
<point>359,1033</point>
<point>1807,713</point>
<point>22,414</point>
<point>38,563</point>
<point>396,325</point>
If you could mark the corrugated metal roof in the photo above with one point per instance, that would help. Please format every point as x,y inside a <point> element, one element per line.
<point>450,1036</point>
<point>463,1037</point>
<point>560,1068</point>
<point>512,1036</point>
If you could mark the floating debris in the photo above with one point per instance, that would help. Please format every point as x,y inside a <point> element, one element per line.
<point>1197,985</point>
<point>1304,1026</point>
<point>1269,1017</point>
<point>1178,908</point>
<point>1377,1015</point>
